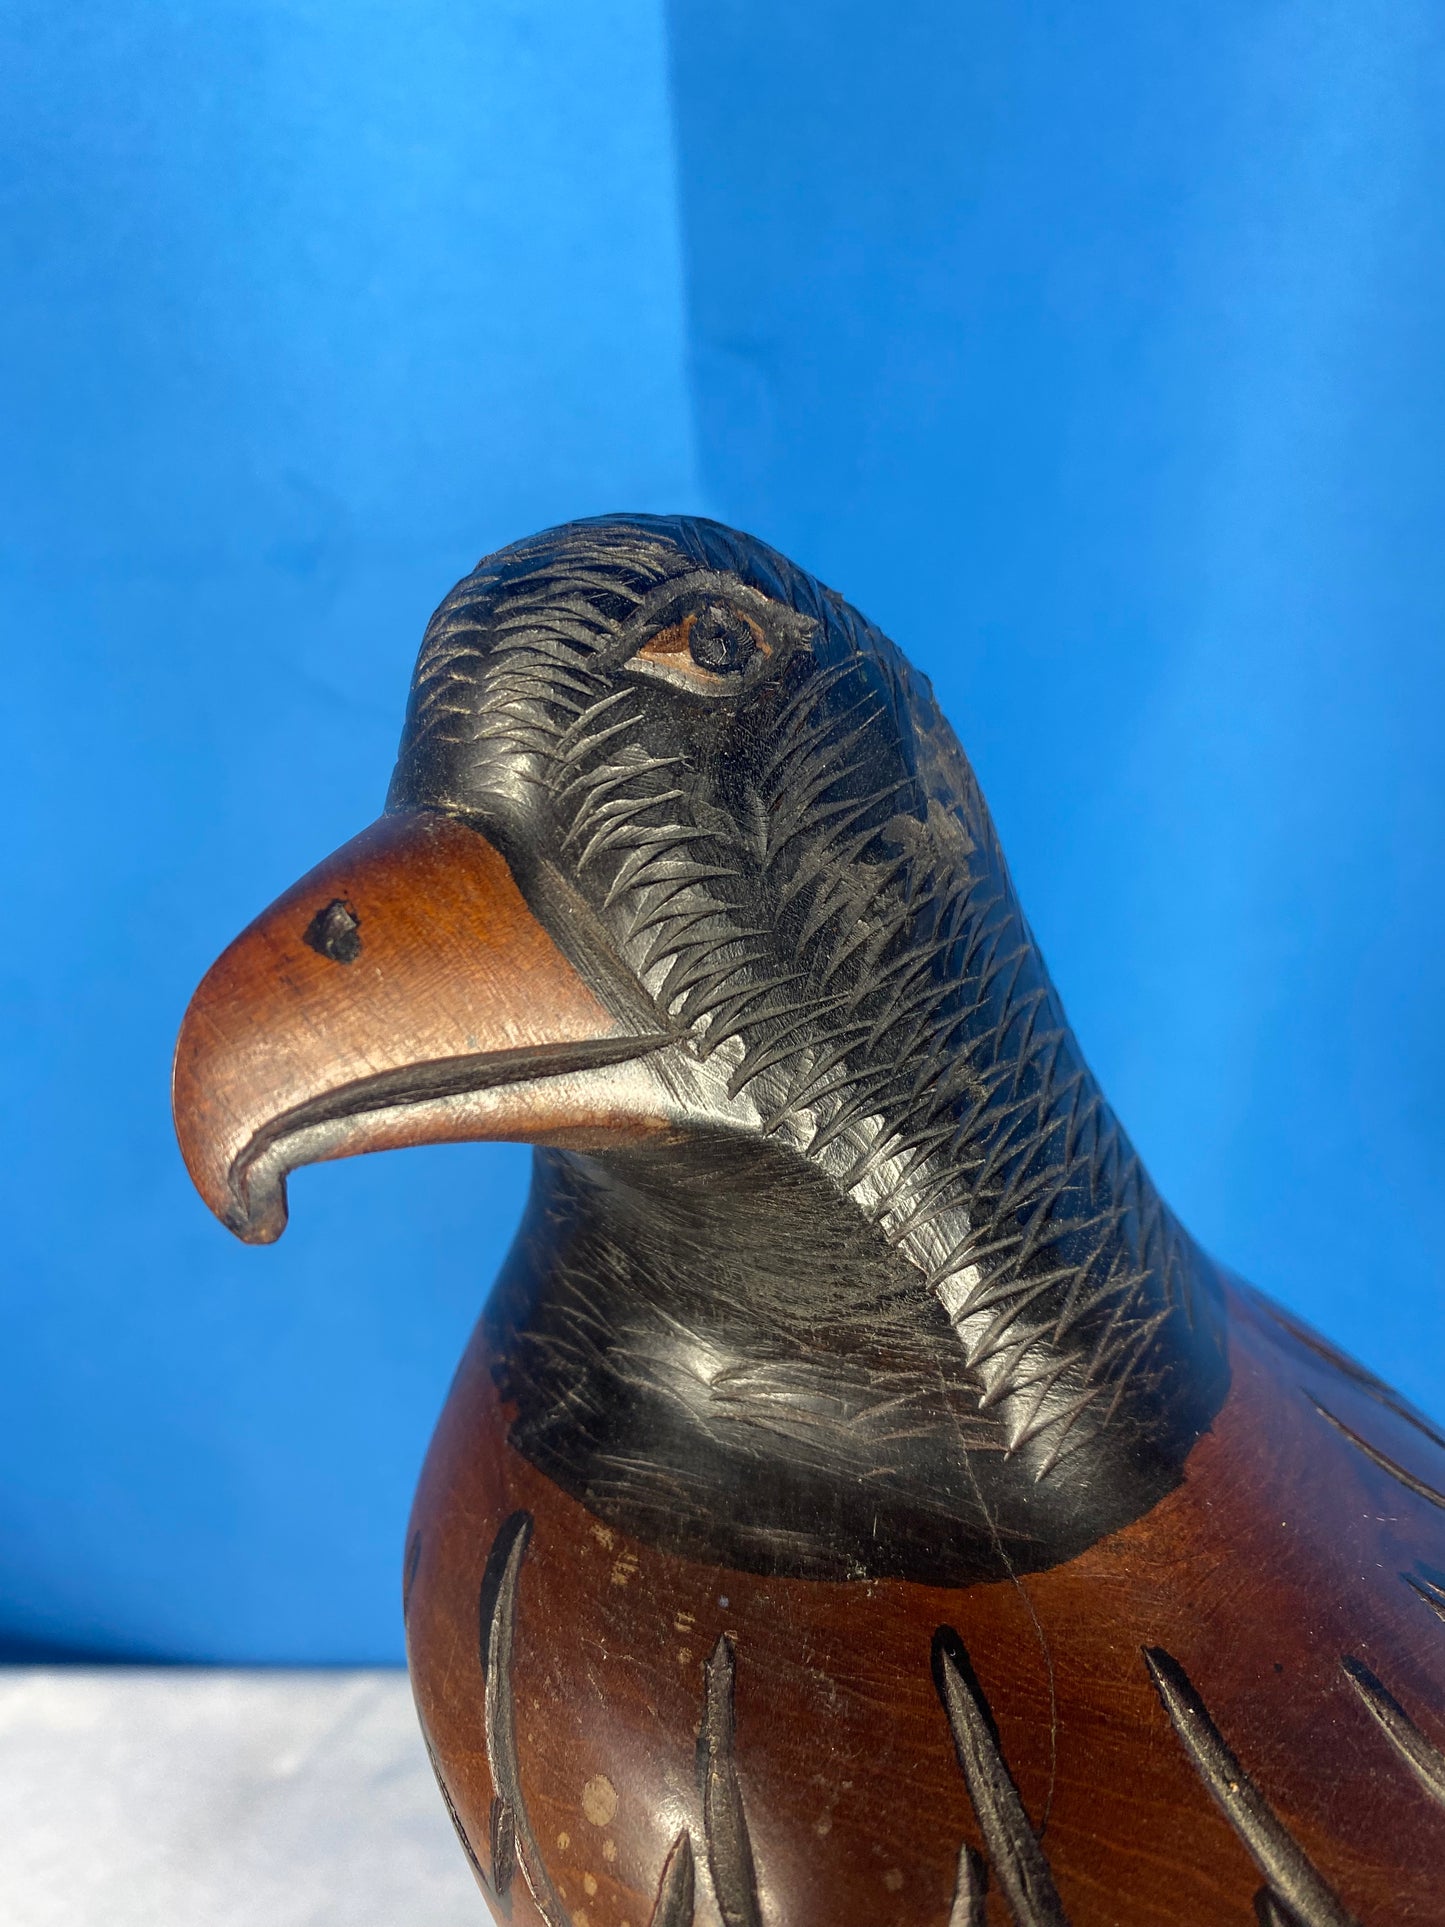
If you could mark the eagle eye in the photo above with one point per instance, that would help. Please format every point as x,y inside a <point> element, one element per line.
<point>721,639</point>
<point>708,647</point>
<point>709,635</point>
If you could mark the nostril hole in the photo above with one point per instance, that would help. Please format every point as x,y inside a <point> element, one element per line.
<point>335,932</point>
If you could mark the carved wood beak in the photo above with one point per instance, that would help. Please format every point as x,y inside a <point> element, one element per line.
<point>401,993</point>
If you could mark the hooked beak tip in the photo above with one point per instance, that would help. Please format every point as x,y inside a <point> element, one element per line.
<point>402,993</point>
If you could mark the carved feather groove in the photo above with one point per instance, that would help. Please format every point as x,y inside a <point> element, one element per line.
<point>1420,1487</point>
<point>456,1819</point>
<point>970,1890</point>
<point>729,1843</point>
<point>503,1832</point>
<point>512,1838</point>
<point>1270,1911</point>
<point>1292,1878</point>
<point>1013,1848</point>
<point>673,1907</point>
<point>1420,1755</point>
<point>1428,1590</point>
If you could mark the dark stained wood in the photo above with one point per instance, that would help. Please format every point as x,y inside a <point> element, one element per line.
<point>1424,1759</point>
<point>1283,1550</point>
<point>861,1504</point>
<point>1292,1881</point>
<point>1014,1850</point>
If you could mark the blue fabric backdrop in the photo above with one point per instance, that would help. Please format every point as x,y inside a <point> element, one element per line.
<point>1092,347</point>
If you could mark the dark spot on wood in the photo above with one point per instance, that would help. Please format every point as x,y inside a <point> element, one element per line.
<point>335,932</point>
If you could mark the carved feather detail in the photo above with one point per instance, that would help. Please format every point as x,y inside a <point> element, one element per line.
<point>729,1843</point>
<point>1402,1476</point>
<point>673,1907</point>
<point>512,1836</point>
<point>1013,1848</point>
<point>1420,1755</point>
<point>1292,1879</point>
<point>970,1890</point>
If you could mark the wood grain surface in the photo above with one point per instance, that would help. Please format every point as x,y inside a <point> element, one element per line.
<point>434,1024</point>
<point>1287,1552</point>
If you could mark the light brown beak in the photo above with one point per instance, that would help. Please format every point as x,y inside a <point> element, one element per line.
<point>401,993</point>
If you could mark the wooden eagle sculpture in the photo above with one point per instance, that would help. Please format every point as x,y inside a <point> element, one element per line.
<point>862,1504</point>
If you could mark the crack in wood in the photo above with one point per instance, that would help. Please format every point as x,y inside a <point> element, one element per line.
<point>1295,1894</point>
<point>1013,1847</point>
<point>674,1905</point>
<point>1292,1878</point>
<point>1363,1381</point>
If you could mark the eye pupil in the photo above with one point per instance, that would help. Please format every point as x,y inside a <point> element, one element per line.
<point>721,641</point>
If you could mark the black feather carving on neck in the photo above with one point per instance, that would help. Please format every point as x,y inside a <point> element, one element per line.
<point>803,882</point>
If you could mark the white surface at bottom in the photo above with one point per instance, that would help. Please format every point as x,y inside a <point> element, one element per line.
<point>191,1798</point>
